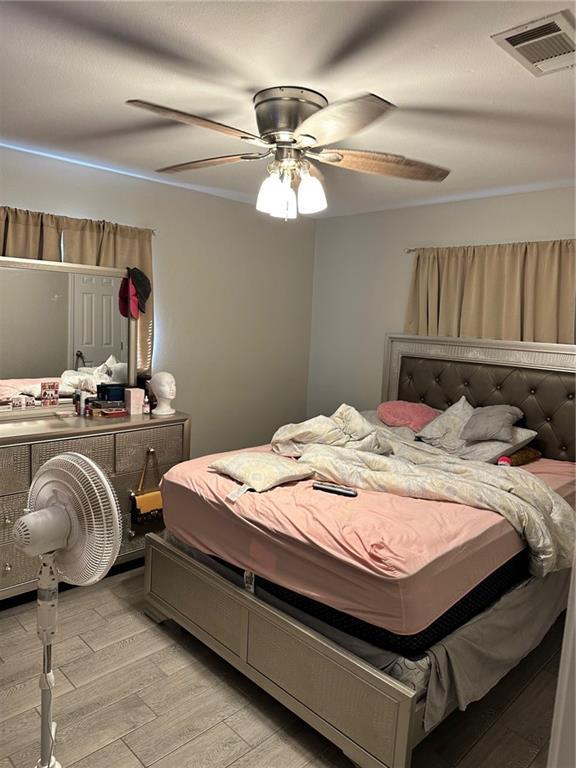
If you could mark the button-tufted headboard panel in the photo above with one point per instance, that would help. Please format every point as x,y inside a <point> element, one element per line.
<point>539,379</point>
<point>546,397</point>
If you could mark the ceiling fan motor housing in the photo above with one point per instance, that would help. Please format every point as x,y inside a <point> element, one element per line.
<point>279,111</point>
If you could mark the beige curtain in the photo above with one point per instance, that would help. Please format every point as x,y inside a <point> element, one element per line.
<point>32,235</point>
<point>522,291</point>
<point>103,244</point>
<point>29,235</point>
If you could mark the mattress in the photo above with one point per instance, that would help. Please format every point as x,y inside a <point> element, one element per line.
<point>392,562</point>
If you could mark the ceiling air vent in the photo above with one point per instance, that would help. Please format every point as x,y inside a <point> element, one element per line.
<point>542,46</point>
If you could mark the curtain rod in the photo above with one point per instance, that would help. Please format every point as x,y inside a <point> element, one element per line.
<point>515,242</point>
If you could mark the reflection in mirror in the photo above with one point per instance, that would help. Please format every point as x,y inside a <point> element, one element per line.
<point>59,326</point>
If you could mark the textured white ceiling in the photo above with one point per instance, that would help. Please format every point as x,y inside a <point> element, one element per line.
<point>67,68</point>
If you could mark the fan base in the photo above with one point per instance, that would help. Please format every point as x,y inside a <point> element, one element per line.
<point>279,111</point>
<point>53,764</point>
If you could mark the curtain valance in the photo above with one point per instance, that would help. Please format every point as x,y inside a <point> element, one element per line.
<point>521,291</point>
<point>45,236</point>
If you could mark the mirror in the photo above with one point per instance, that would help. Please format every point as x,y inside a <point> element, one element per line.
<point>59,323</point>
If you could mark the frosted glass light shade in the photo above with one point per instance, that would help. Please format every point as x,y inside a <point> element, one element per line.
<point>311,195</point>
<point>270,195</point>
<point>285,206</point>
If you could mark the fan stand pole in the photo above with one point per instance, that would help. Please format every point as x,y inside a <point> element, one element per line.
<point>47,614</point>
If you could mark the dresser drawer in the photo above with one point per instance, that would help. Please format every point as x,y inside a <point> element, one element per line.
<point>123,484</point>
<point>14,469</point>
<point>11,508</point>
<point>100,448</point>
<point>16,567</point>
<point>131,447</point>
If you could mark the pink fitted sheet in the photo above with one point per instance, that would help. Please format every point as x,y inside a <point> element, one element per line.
<point>395,562</point>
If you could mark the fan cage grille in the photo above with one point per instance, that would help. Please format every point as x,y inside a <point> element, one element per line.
<point>94,511</point>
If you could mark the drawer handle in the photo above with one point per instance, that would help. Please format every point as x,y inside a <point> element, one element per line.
<point>7,521</point>
<point>7,567</point>
<point>131,534</point>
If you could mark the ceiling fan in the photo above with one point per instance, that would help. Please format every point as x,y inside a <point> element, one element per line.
<point>295,126</point>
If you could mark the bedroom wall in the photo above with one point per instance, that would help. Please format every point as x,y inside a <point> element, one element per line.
<point>233,292</point>
<point>362,277</point>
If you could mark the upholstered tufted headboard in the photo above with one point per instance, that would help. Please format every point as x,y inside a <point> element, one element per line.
<point>538,378</point>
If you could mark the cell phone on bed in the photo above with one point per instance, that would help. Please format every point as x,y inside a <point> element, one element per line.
<point>340,490</point>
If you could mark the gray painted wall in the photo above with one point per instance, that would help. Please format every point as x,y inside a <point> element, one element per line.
<point>362,276</point>
<point>233,292</point>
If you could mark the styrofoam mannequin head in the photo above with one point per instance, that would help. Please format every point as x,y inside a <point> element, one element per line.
<point>163,385</point>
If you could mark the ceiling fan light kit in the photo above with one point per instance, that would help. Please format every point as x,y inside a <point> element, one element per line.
<point>295,125</point>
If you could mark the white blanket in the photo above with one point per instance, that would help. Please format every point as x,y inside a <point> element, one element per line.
<point>345,448</point>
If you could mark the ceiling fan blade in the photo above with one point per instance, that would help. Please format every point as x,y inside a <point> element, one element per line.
<point>380,163</point>
<point>210,161</point>
<point>202,122</point>
<point>343,118</point>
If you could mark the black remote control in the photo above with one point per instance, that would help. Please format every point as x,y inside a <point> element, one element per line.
<point>340,490</point>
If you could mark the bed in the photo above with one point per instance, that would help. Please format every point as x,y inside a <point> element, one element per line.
<point>202,576</point>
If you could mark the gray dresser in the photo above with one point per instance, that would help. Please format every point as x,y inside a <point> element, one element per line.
<point>119,446</point>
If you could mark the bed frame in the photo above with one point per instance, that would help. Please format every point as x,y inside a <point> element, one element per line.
<point>373,718</point>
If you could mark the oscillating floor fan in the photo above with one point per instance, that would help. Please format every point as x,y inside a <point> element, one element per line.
<point>73,523</point>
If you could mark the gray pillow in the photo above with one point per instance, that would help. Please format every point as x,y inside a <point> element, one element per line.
<point>491,450</point>
<point>494,422</point>
<point>444,431</point>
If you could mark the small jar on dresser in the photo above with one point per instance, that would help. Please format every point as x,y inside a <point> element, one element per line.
<point>119,446</point>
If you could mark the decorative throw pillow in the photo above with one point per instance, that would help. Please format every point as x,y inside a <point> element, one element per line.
<point>401,413</point>
<point>525,456</point>
<point>444,431</point>
<point>259,471</point>
<point>494,422</point>
<point>491,450</point>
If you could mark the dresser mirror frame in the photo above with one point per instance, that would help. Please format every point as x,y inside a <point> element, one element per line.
<point>57,266</point>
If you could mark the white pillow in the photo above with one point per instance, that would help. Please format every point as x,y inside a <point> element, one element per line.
<point>260,471</point>
<point>444,431</point>
<point>491,450</point>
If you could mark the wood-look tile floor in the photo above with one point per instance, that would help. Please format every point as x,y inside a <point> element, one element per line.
<point>132,694</point>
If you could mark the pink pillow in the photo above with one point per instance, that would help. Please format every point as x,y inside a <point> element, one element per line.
<point>401,413</point>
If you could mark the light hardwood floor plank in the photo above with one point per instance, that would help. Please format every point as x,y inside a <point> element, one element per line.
<point>292,748</point>
<point>10,629</point>
<point>260,719</point>
<point>81,702</point>
<point>115,755</point>
<point>30,664</point>
<point>114,629</point>
<point>500,748</point>
<point>131,587</point>
<point>116,656</point>
<point>72,602</point>
<point>183,723</point>
<point>182,652</point>
<point>21,696</point>
<point>67,627</point>
<point>18,731</point>
<point>530,716</point>
<point>153,688</point>
<point>541,759</point>
<point>331,758</point>
<point>215,748</point>
<point>83,737</point>
<point>177,688</point>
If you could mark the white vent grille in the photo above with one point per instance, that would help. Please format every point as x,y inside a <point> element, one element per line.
<point>542,46</point>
